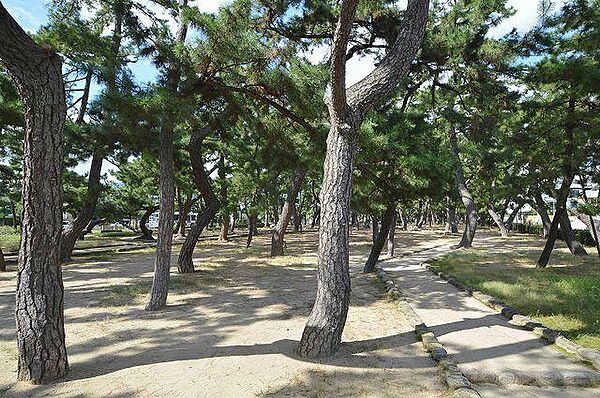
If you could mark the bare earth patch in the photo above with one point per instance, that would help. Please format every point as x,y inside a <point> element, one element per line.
<point>229,330</point>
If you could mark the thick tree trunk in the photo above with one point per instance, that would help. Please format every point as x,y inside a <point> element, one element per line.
<point>37,73</point>
<point>498,220</point>
<point>550,241</point>
<point>72,233</point>
<point>384,231</point>
<point>391,241</point>
<point>201,179</point>
<point>466,197</point>
<point>543,212</point>
<point>146,233</point>
<point>277,240</point>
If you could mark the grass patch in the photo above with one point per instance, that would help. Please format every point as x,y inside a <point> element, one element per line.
<point>564,296</point>
<point>9,239</point>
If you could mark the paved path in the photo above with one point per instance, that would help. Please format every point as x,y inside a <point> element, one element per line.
<point>482,342</point>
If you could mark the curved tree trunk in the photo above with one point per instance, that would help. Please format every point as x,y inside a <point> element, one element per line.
<point>146,233</point>
<point>498,220</point>
<point>201,179</point>
<point>384,231</point>
<point>277,240</point>
<point>37,73</point>
<point>465,195</point>
<point>73,232</point>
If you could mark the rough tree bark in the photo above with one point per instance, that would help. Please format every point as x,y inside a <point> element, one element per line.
<point>465,195</point>
<point>162,265</point>
<point>498,220</point>
<point>86,214</point>
<point>347,109</point>
<point>37,73</point>
<point>201,179</point>
<point>277,240</point>
<point>384,231</point>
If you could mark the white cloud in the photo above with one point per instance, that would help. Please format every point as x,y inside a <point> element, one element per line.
<point>26,19</point>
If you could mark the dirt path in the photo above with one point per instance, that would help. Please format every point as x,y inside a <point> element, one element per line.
<point>229,330</point>
<point>484,345</point>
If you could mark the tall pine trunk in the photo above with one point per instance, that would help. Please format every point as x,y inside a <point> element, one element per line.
<point>542,210</point>
<point>37,72</point>
<point>384,231</point>
<point>277,240</point>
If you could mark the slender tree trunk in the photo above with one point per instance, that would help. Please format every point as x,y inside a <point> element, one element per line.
<point>391,242</point>
<point>37,72</point>
<point>513,215</point>
<point>498,220</point>
<point>277,240</point>
<point>403,220</point>
<point>550,241</point>
<point>451,224</point>
<point>374,227</point>
<point>146,233</point>
<point>382,236</point>
<point>184,212</point>
<point>252,219</point>
<point>72,233</point>
<point>2,261</point>
<point>202,180</point>
<point>465,195</point>
<point>233,221</point>
<point>543,212</point>
<point>14,215</point>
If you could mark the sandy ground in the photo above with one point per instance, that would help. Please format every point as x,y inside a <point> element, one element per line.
<point>229,330</point>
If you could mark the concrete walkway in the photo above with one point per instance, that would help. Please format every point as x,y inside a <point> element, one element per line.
<point>485,346</point>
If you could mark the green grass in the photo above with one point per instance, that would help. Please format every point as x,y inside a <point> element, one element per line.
<point>565,297</point>
<point>9,239</point>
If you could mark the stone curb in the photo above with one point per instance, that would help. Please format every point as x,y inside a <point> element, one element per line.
<point>458,384</point>
<point>552,336</point>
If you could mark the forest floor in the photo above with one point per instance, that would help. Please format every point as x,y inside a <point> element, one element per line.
<point>229,330</point>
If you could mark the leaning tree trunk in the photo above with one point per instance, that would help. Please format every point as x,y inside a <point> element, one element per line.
<point>37,72</point>
<point>511,218</point>
<point>86,214</point>
<point>347,109</point>
<point>201,179</point>
<point>568,235</point>
<point>277,240</point>
<point>384,231</point>
<point>391,241</point>
<point>498,220</point>
<point>465,195</point>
